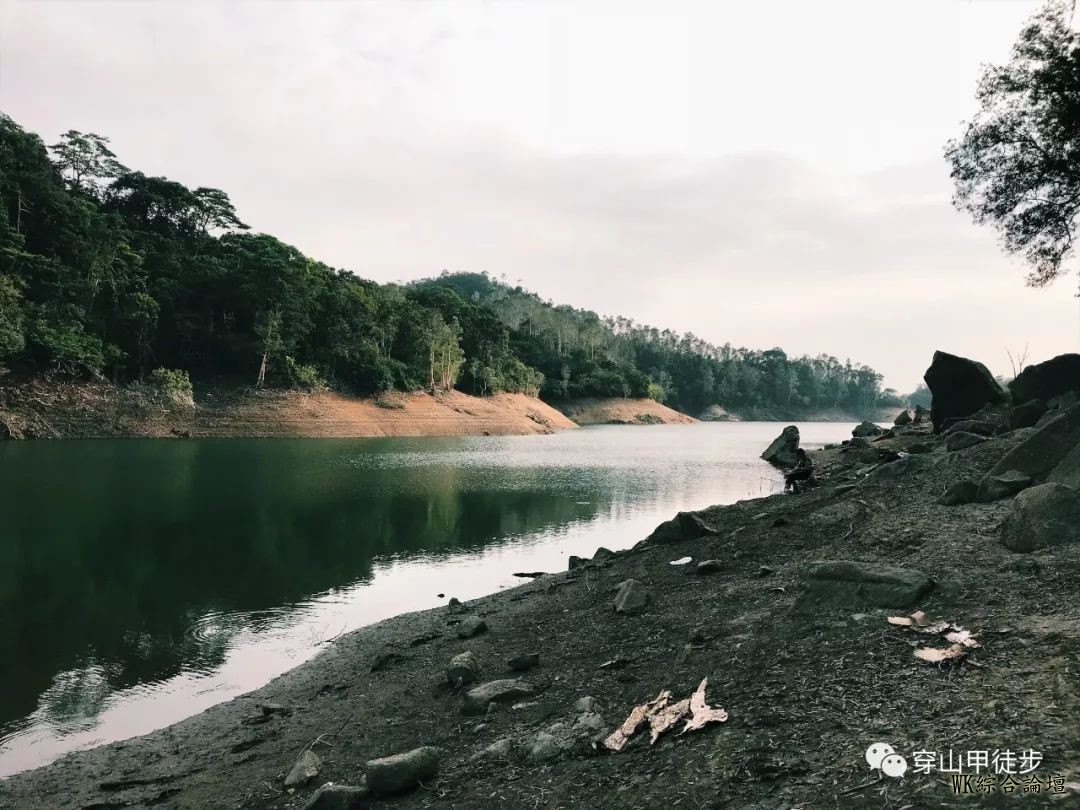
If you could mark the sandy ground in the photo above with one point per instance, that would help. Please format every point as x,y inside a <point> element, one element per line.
<point>622,412</point>
<point>807,691</point>
<point>333,415</point>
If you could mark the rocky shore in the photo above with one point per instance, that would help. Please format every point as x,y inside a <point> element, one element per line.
<point>878,607</point>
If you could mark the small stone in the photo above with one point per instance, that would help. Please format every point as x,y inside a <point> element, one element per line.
<point>765,571</point>
<point>585,704</point>
<point>306,768</point>
<point>454,602</point>
<point>697,636</point>
<point>335,797</point>
<point>471,627</point>
<point>631,598</point>
<point>463,669</point>
<point>958,493</point>
<point>523,662</point>
<point>500,749</point>
<point>399,773</point>
<point>545,748</point>
<point>506,690</point>
<point>589,724</point>
<point>961,440</point>
<point>864,429</point>
<point>1004,485</point>
<point>708,567</point>
<point>903,418</point>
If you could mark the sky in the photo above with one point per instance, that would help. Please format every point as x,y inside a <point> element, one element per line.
<point>758,173</point>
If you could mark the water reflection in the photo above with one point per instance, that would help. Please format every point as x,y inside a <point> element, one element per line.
<point>142,581</point>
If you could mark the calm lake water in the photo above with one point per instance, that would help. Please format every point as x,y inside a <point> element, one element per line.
<point>143,581</point>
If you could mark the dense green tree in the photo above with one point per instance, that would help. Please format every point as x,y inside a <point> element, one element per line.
<point>106,270</point>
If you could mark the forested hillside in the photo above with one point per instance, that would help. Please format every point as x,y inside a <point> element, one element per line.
<point>104,270</point>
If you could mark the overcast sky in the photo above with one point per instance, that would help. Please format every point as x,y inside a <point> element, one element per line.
<point>760,173</point>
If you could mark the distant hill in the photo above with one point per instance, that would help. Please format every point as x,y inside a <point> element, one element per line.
<point>106,271</point>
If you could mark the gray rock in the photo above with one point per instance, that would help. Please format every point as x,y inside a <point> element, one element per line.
<point>781,452</point>
<point>1064,401</point>
<point>498,750</point>
<point>335,797</point>
<point>903,418</point>
<point>1043,450</point>
<point>1026,415</point>
<point>866,429</point>
<point>684,526</point>
<point>962,440</point>
<point>306,768</point>
<point>1067,471</point>
<point>523,662</point>
<point>1005,485</point>
<point>545,748</point>
<point>958,493</point>
<point>857,585</point>
<point>893,469</point>
<point>1042,516</point>
<point>918,448</point>
<point>585,704</point>
<point>589,724</point>
<point>709,567</point>
<point>960,387</point>
<point>463,669</point>
<point>1044,381</point>
<point>575,562</point>
<point>921,414</point>
<point>471,626</point>
<point>983,427</point>
<point>631,598</point>
<point>399,773</point>
<point>498,692</point>
<point>859,443</point>
<point>603,554</point>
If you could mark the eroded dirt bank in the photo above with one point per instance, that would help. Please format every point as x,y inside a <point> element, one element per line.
<point>616,411</point>
<point>43,409</point>
<point>809,670</point>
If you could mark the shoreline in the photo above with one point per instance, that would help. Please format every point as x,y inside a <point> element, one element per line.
<point>804,689</point>
<point>44,409</point>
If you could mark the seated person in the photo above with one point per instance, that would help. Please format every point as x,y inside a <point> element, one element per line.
<point>802,472</point>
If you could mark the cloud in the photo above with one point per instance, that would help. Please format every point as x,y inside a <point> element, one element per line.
<point>758,197</point>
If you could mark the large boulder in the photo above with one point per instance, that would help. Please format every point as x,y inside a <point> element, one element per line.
<point>1026,415</point>
<point>781,453</point>
<point>1046,515</point>
<point>849,584</point>
<point>960,387</point>
<point>1042,451</point>
<point>903,418</point>
<point>1045,380</point>
<point>631,597</point>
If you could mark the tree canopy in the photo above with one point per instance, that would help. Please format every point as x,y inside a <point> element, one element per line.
<point>1017,164</point>
<point>105,270</point>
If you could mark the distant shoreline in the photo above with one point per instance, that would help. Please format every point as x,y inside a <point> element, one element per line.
<point>56,409</point>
